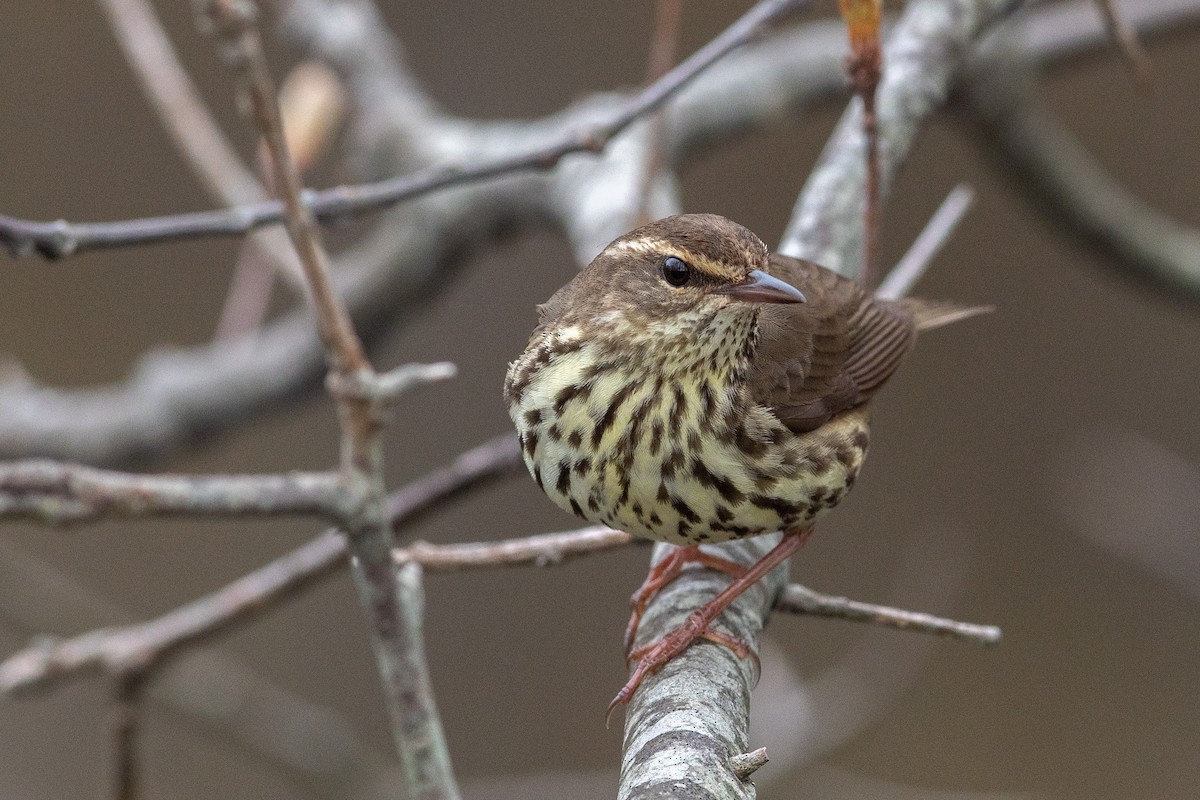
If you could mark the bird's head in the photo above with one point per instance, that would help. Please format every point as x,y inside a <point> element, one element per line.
<point>678,276</point>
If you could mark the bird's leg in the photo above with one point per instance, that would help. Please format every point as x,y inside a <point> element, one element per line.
<point>658,653</point>
<point>665,571</point>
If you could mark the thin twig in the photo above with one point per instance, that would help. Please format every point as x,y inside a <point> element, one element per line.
<point>421,748</point>
<point>148,645</point>
<point>179,107</point>
<point>825,225</point>
<point>542,550</point>
<point>664,42</point>
<point>60,238</point>
<point>928,244</point>
<point>59,493</point>
<point>235,24</point>
<point>797,599</point>
<point>864,65</point>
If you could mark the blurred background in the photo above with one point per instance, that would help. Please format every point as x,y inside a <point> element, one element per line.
<point>1038,468</point>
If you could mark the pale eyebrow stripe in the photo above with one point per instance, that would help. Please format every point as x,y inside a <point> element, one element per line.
<point>647,245</point>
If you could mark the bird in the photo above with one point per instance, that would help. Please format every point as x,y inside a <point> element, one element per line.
<point>691,387</point>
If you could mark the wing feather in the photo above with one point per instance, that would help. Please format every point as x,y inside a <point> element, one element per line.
<point>829,355</point>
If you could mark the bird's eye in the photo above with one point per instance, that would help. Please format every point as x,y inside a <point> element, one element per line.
<point>675,271</point>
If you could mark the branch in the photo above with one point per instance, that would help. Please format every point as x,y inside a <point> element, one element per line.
<point>146,646</point>
<point>924,55</point>
<point>687,720</point>
<point>543,550</point>
<point>183,113</point>
<point>177,394</point>
<point>59,238</point>
<point>928,244</point>
<point>1055,169</point>
<point>797,599</point>
<point>58,493</point>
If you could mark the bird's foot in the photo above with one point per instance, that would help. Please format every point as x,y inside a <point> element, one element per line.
<point>662,574</point>
<point>657,654</point>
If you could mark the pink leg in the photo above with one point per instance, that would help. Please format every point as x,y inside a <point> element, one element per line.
<point>666,571</point>
<point>657,654</point>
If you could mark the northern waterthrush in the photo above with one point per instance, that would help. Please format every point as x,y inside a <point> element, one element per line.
<point>690,387</point>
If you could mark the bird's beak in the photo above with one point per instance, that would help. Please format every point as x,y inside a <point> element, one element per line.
<point>762,288</point>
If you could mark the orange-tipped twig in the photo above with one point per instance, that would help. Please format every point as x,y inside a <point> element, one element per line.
<point>864,65</point>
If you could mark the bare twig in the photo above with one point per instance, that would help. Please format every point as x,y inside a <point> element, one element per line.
<point>183,113</point>
<point>668,15</point>
<point>421,749</point>
<point>746,764</point>
<point>312,104</point>
<point>864,65</point>
<point>824,225</point>
<point>60,238</point>
<point>62,493</point>
<point>797,599</point>
<point>542,550</point>
<point>145,646</point>
<point>235,24</point>
<point>928,243</point>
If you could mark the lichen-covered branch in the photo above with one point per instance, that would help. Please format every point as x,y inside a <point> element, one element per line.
<point>687,720</point>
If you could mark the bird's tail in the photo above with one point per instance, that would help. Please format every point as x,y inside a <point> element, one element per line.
<point>936,313</point>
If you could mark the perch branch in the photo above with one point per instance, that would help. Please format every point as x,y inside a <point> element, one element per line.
<point>797,599</point>
<point>685,721</point>
<point>63,493</point>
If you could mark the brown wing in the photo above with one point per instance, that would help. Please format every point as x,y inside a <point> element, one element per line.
<point>817,359</point>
